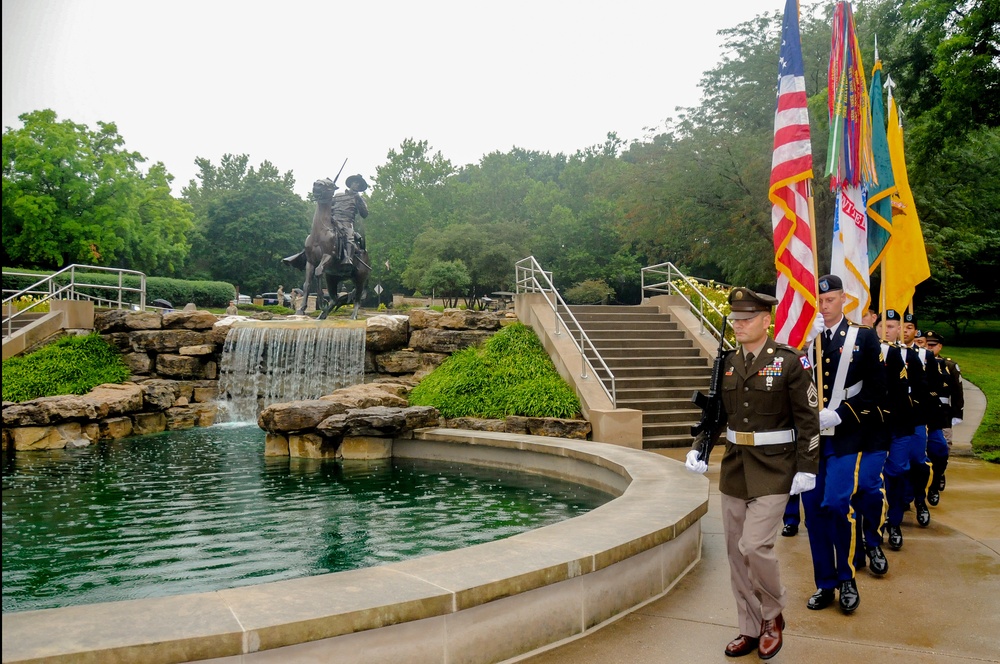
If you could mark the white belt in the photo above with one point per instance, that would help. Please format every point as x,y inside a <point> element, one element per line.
<point>755,439</point>
<point>853,390</point>
<point>945,400</point>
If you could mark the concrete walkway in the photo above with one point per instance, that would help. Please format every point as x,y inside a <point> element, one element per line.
<point>940,601</point>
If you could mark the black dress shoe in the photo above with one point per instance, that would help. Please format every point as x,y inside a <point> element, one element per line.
<point>923,515</point>
<point>742,645</point>
<point>849,597</point>
<point>941,483</point>
<point>933,497</point>
<point>895,538</point>
<point>821,599</point>
<point>877,561</point>
<point>790,530</point>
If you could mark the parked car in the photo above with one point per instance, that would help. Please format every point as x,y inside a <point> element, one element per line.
<point>272,298</point>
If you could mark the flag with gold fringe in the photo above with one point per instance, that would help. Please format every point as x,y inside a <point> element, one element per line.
<point>789,192</point>
<point>906,257</point>
<point>849,161</point>
<point>881,189</point>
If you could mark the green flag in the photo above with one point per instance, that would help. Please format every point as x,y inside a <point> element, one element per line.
<point>879,205</point>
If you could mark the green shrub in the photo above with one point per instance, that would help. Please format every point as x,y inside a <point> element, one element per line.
<point>71,365</point>
<point>510,374</point>
<point>176,291</point>
<point>592,291</point>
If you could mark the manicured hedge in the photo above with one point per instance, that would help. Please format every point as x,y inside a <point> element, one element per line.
<point>510,374</point>
<point>176,291</point>
<point>71,365</point>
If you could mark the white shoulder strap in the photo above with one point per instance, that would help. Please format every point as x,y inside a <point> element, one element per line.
<point>847,353</point>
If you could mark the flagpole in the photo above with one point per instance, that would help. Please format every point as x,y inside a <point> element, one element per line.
<point>819,341</point>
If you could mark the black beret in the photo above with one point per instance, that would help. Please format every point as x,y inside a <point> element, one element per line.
<point>890,314</point>
<point>908,317</point>
<point>830,282</point>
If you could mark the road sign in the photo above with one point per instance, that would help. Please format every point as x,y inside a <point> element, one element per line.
<point>378,289</point>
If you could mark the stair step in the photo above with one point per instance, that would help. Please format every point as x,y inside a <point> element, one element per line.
<point>662,442</point>
<point>694,363</point>
<point>651,348</point>
<point>687,416</point>
<point>673,429</point>
<point>662,381</point>
<point>673,402</point>
<point>660,371</point>
<point>631,332</point>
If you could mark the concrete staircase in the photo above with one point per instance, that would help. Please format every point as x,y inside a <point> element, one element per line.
<point>21,322</point>
<point>656,367</point>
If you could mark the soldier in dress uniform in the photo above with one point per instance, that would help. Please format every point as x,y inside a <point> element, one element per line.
<point>853,386</point>
<point>772,447</point>
<point>952,398</point>
<point>906,464</point>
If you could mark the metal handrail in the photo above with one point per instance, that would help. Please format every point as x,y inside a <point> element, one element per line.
<point>669,273</point>
<point>531,278</point>
<point>49,289</point>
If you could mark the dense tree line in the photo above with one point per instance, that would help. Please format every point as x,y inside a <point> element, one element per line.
<point>694,192</point>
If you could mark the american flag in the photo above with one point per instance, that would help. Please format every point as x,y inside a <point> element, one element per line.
<point>791,172</point>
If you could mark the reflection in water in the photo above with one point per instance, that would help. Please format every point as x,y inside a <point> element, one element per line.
<point>203,510</point>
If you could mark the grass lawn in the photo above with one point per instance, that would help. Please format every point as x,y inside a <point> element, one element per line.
<point>982,367</point>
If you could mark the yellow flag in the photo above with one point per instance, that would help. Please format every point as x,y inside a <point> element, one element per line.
<point>906,257</point>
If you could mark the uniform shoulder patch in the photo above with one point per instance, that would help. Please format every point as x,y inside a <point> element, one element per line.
<point>804,361</point>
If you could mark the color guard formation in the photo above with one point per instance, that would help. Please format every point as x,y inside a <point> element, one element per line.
<point>858,424</point>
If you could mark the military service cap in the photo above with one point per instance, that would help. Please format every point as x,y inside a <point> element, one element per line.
<point>830,282</point>
<point>934,337</point>
<point>746,304</point>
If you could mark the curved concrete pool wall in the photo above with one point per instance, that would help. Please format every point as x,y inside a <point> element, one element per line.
<point>485,603</point>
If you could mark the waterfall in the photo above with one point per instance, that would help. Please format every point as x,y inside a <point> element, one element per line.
<point>273,362</point>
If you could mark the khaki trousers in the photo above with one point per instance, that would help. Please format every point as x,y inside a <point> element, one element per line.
<point>751,528</point>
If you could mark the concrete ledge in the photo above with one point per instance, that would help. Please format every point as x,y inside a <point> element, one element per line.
<point>485,603</point>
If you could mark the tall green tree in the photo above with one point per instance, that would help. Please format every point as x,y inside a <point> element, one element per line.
<point>72,194</point>
<point>402,205</point>
<point>248,219</point>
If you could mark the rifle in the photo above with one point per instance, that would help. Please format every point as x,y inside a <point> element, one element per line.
<point>340,171</point>
<point>710,404</point>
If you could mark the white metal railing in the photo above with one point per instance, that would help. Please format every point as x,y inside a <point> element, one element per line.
<point>65,285</point>
<point>661,279</point>
<point>531,278</point>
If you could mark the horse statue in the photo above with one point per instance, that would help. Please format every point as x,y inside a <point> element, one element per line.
<point>321,258</point>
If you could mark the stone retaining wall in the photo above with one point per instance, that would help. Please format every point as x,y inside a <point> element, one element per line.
<point>174,363</point>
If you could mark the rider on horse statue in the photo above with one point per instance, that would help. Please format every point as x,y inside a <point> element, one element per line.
<point>346,207</point>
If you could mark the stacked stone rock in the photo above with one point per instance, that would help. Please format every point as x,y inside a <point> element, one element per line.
<point>174,360</point>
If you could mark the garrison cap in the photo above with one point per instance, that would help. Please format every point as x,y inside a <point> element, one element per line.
<point>746,304</point>
<point>890,314</point>
<point>830,282</point>
<point>908,317</point>
<point>934,336</point>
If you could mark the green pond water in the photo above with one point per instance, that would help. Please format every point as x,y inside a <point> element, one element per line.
<point>203,510</point>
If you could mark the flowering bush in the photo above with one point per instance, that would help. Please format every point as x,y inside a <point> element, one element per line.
<point>26,301</point>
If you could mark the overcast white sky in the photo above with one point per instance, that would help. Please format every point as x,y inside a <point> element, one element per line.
<point>305,85</point>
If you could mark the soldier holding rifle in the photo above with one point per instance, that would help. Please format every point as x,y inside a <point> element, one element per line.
<point>771,425</point>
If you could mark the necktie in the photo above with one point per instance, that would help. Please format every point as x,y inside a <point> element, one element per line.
<point>829,336</point>
<point>749,361</point>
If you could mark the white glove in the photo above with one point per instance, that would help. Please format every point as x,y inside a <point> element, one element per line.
<point>817,327</point>
<point>693,463</point>
<point>955,421</point>
<point>828,419</point>
<point>802,482</point>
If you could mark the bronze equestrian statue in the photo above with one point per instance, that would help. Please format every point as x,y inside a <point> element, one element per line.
<point>333,248</point>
